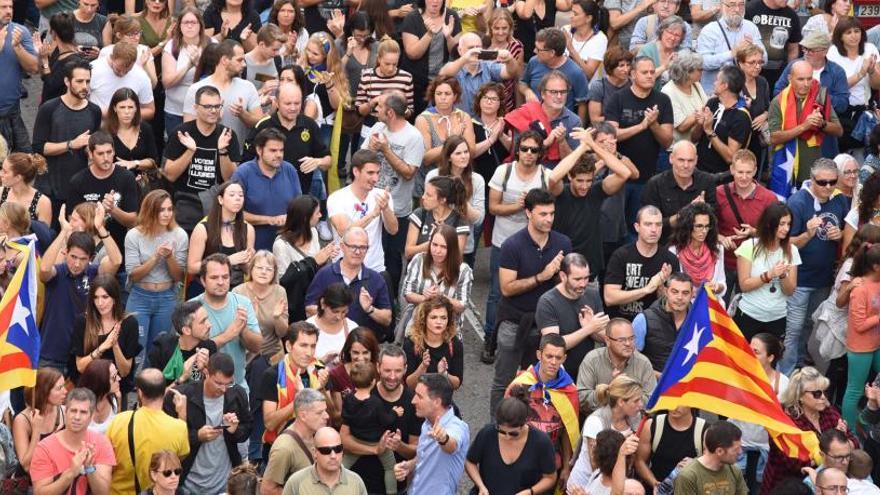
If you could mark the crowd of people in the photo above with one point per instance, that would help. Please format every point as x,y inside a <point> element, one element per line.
<point>258,224</point>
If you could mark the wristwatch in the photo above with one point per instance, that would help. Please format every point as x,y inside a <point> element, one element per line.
<point>86,470</point>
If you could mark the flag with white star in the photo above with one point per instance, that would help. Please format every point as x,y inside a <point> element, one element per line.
<point>19,334</point>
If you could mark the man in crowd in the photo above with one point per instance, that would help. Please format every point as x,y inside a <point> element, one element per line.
<point>682,184</point>
<point>832,480</point>
<point>269,183</point>
<point>18,58</point>
<point>636,272</point>
<point>400,148</point>
<point>718,41</point>
<point>294,447</point>
<point>443,440</point>
<point>550,56</point>
<point>61,133</point>
<point>780,31</point>
<point>643,117</point>
<point>183,354</point>
<point>740,204</point>
<point>472,71</point>
<point>836,451</point>
<point>74,460</point>
<point>241,103</point>
<point>831,75</point>
<point>67,286</point>
<point>724,126</point>
<point>657,327</point>
<point>327,471</point>
<point>218,418</point>
<point>109,184</point>
<point>371,305</point>
<point>622,18</point>
<point>280,384</point>
<point>529,261</point>
<point>121,70</point>
<point>152,430</point>
<point>645,30</point>
<point>393,392</point>
<point>199,154</point>
<point>260,62</point>
<point>233,322</point>
<point>361,204</point>
<point>816,230</point>
<point>715,471</point>
<point>620,356</point>
<point>573,309</point>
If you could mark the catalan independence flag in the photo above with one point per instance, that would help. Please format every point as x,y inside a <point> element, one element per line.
<point>713,368</point>
<point>19,335</point>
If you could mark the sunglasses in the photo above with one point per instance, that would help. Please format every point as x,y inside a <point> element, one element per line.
<point>530,149</point>
<point>826,183</point>
<point>509,434</point>
<point>331,449</point>
<point>168,472</point>
<point>817,394</point>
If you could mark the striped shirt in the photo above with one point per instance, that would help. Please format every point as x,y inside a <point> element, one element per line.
<point>373,85</point>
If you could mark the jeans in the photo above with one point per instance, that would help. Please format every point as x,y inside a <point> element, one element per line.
<point>751,462</point>
<point>799,325</point>
<point>494,292</point>
<point>153,313</point>
<point>393,246</point>
<point>859,365</point>
<point>14,131</point>
<point>507,359</point>
<point>171,123</point>
<point>632,203</point>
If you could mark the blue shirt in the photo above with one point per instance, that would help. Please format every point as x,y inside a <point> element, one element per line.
<point>10,76</point>
<point>436,471</point>
<point>221,318</point>
<point>816,269</point>
<point>715,42</point>
<point>577,80</point>
<point>471,83</point>
<point>265,195</point>
<point>57,324</point>
<point>370,279</point>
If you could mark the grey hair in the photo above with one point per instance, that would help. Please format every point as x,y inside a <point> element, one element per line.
<point>82,394</point>
<point>684,142</point>
<point>672,22</point>
<point>842,159</point>
<point>396,102</point>
<point>305,398</point>
<point>681,66</point>
<point>355,230</point>
<point>604,127</point>
<point>647,210</point>
<point>391,350</point>
<point>823,165</point>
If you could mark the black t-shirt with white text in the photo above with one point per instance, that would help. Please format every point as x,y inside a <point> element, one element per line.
<point>85,187</point>
<point>778,28</point>
<point>627,109</point>
<point>630,270</point>
<point>204,169</point>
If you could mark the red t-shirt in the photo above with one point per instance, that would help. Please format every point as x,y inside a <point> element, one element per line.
<point>51,458</point>
<point>749,209</point>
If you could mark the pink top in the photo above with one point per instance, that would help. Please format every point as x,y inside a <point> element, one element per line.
<point>863,332</point>
<point>51,458</point>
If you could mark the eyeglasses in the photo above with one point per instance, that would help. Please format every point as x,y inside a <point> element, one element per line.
<point>850,172</point>
<point>556,92</point>
<point>817,394</point>
<point>838,458</point>
<point>212,108</point>
<point>507,433</point>
<point>189,23</point>
<point>168,472</point>
<point>264,268</point>
<point>754,63</point>
<point>543,49</point>
<point>624,340</point>
<point>835,489</point>
<point>356,248</point>
<point>491,98</point>
<point>530,149</point>
<point>333,449</point>
<point>701,226</point>
<point>826,183</point>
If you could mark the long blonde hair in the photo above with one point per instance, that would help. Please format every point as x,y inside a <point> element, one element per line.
<point>324,43</point>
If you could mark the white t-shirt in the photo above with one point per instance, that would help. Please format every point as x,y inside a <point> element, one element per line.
<point>409,145</point>
<point>238,88</point>
<point>105,82</point>
<point>762,304</point>
<point>861,92</point>
<point>506,226</point>
<point>175,95</point>
<point>328,342</point>
<point>683,106</point>
<point>582,471</point>
<point>592,49</point>
<point>344,202</point>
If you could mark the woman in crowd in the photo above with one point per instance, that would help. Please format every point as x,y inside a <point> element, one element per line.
<point>43,415</point>
<point>382,24</point>
<point>617,63</point>
<point>155,253</point>
<point>620,403</point>
<point>332,321</point>
<point>750,59</point>
<point>457,163</point>
<point>685,92</point>
<point>360,346</point>
<point>55,54</point>
<point>105,331</point>
<point>434,345</point>
<point>179,60</point>
<point>82,219</point>
<point>766,269</point>
<point>443,202</point>
<point>92,29</point>
<point>327,85</point>
<point>429,36</point>
<point>826,22</point>
<point>670,34</point>
<point>805,403</point>
<point>666,441</point>
<point>384,77</point>
<point>694,240</point>
<point>156,23</point>
<point>14,224</point>
<point>509,455</point>
<point>848,170</point>
<point>501,38</point>
<point>223,231</point>
<point>165,471</point>
<point>858,58</point>
<point>127,29</point>
<point>359,49</point>
<point>233,19</point>
<point>269,300</point>
<point>587,41</point>
<point>133,142</point>
<point>442,120</point>
<point>534,15</point>
<point>492,143</point>
<point>102,378</point>
<point>862,342</point>
<point>298,252</point>
<point>17,174</point>
<point>288,15</point>
<point>867,210</point>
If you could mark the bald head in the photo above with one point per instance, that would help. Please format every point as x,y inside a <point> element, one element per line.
<point>354,234</point>
<point>801,67</point>
<point>469,41</point>
<point>150,384</point>
<point>289,101</point>
<point>829,478</point>
<point>801,77</point>
<point>327,437</point>
<point>633,487</point>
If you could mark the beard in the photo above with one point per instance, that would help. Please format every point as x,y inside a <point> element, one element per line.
<point>733,20</point>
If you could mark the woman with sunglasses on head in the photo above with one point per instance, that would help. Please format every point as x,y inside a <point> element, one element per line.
<point>102,377</point>
<point>443,202</point>
<point>180,57</point>
<point>694,240</point>
<point>805,403</point>
<point>509,455</point>
<point>750,58</point>
<point>165,471</point>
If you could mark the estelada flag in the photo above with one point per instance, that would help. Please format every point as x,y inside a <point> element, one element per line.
<point>713,368</point>
<point>19,335</point>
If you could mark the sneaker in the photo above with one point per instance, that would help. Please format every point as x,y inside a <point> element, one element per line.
<point>488,354</point>
<point>324,231</point>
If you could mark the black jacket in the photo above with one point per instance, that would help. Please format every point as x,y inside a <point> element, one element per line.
<point>163,346</point>
<point>235,400</point>
<point>660,334</point>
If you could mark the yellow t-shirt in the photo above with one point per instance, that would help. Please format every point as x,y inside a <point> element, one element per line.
<point>468,22</point>
<point>153,431</point>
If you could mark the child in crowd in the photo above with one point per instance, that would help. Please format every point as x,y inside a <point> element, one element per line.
<point>859,474</point>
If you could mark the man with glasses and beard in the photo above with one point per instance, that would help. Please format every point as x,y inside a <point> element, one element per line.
<point>327,471</point>
<point>720,39</point>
